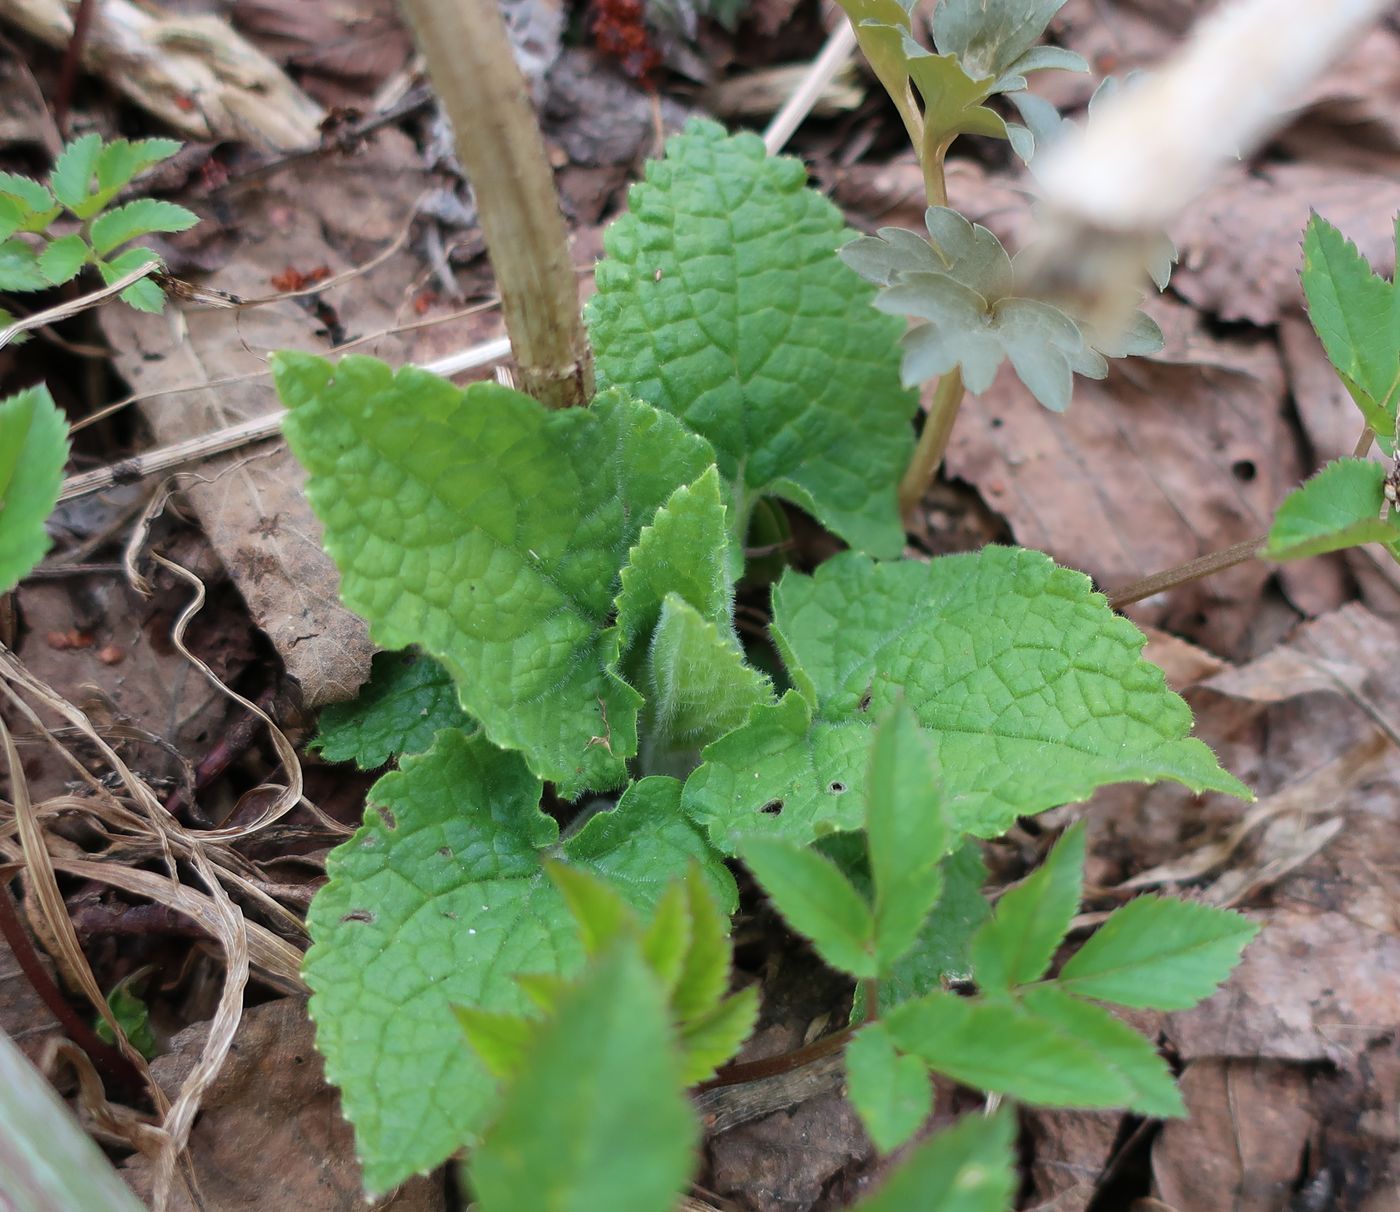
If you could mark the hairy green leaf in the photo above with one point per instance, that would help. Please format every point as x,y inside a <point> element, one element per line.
<point>597,1116</point>
<point>907,834</point>
<point>817,901</point>
<point>492,533</point>
<point>139,218</point>
<point>1356,313</point>
<point>72,172</point>
<point>719,301</point>
<point>409,698</point>
<point>1000,39</point>
<point>892,1094</point>
<point>1339,507</point>
<point>33,449</point>
<point>1159,953</point>
<point>1000,1046</point>
<point>1015,946</point>
<point>441,900</point>
<point>967,1168</point>
<point>61,259</point>
<point>1033,691</point>
<point>1153,1090</point>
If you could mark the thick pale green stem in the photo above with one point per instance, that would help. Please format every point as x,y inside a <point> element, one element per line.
<point>933,442</point>
<point>474,72</point>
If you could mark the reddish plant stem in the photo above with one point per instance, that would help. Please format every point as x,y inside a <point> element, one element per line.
<point>752,1071</point>
<point>72,62</point>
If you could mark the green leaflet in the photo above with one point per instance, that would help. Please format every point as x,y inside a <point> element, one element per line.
<point>719,301</point>
<point>1356,313</point>
<point>441,900</point>
<point>492,533</point>
<point>1341,506</point>
<point>893,1094</point>
<point>967,1168</point>
<point>1033,691</point>
<point>33,449</point>
<point>597,1115</point>
<point>1000,39</point>
<point>409,698</point>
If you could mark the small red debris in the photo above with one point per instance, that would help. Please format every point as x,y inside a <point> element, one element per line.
<point>63,641</point>
<point>295,279</point>
<point>110,654</point>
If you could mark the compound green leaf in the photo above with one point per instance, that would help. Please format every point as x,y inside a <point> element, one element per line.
<point>720,302</point>
<point>704,976</point>
<point>139,218</point>
<point>19,267</point>
<point>33,449</point>
<point>72,172</point>
<point>1159,953</point>
<point>441,900</point>
<point>33,197</point>
<point>996,39</point>
<point>1356,313</point>
<point>892,1093</point>
<point>61,259</point>
<point>597,1116</point>
<point>1154,1091</point>
<point>409,699</point>
<point>906,833</point>
<point>1015,946</point>
<point>816,900</point>
<point>1001,1047</point>
<point>1034,693</point>
<point>122,159</point>
<point>1339,507</point>
<point>491,532</point>
<point>966,1168</point>
<point>701,686</point>
<point>709,1039</point>
<point>143,294</point>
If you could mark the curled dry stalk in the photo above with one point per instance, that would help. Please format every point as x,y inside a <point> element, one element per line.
<point>498,142</point>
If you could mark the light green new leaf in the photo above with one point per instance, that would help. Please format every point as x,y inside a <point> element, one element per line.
<point>1339,507</point>
<point>952,98</point>
<point>704,976</point>
<point>1356,313</point>
<point>143,294</point>
<point>1000,39</point>
<point>709,1039</point>
<point>502,1041</point>
<point>139,218</point>
<point>19,267</point>
<point>967,1168</point>
<point>61,259</point>
<point>1033,691</point>
<point>719,301</point>
<point>72,173</point>
<point>906,832</point>
<point>122,159</point>
<point>1015,946</point>
<point>999,1046</point>
<point>1159,953</point>
<point>597,1116</point>
<point>33,449</point>
<point>33,197</point>
<point>409,698</point>
<point>817,901</point>
<point>1154,1091</point>
<point>441,900</point>
<point>892,1094</point>
<point>701,686</point>
<point>491,532</point>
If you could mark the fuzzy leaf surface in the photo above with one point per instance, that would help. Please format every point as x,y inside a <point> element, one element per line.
<point>602,1082</point>
<point>1339,507</point>
<point>892,1093</point>
<point>33,449</point>
<point>1034,694</point>
<point>966,1168</point>
<point>440,900</point>
<point>408,699</point>
<point>1015,946</point>
<point>1158,953</point>
<point>719,301</point>
<point>1000,39</point>
<point>491,532</point>
<point>1356,313</point>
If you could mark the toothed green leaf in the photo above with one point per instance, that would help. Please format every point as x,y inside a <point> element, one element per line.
<point>61,259</point>
<point>719,301</point>
<point>143,295</point>
<point>966,1168</point>
<point>492,532</point>
<point>1339,507</point>
<point>892,1093</point>
<point>993,40</point>
<point>33,449</point>
<point>122,159</point>
<point>709,1039</point>
<point>19,267</point>
<point>139,218</point>
<point>72,172</point>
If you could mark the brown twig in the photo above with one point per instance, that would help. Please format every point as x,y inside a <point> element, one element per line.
<point>72,62</point>
<point>752,1071</point>
<point>1192,570</point>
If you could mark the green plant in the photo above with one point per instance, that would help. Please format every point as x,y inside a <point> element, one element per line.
<point>573,574</point>
<point>1356,314</point>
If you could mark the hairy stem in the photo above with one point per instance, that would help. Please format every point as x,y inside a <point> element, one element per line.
<point>1192,570</point>
<point>498,141</point>
<point>933,442</point>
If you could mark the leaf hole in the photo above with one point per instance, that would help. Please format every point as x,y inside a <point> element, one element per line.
<point>865,701</point>
<point>445,851</point>
<point>837,788</point>
<point>772,807</point>
<point>1244,470</point>
<point>358,915</point>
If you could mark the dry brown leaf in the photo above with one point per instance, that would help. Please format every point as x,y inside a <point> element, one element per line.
<point>338,213</point>
<point>23,1015</point>
<point>1183,663</point>
<point>1069,1150</point>
<point>1164,461</point>
<point>271,1134</point>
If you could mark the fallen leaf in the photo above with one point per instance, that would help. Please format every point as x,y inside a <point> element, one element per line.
<point>1069,1151</point>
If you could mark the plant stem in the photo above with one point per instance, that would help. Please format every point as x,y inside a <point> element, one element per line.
<point>1192,570</point>
<point>498,141</point>
<point>752,1071</point>
<point>933,442</point>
